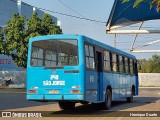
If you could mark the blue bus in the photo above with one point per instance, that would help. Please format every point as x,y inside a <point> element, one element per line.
<point>74,68</point>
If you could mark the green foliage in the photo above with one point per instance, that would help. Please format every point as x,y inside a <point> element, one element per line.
<point>14,45</point>
<point>124,1</point>
<point>1,40</point>
<point>18,32</point>
<point>138,2</point>
<point>150,66</point>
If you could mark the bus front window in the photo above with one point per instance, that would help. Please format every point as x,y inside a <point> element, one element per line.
<point>54,53</point>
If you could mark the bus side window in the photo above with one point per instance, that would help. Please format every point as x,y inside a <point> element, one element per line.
<point>114,63</point>
<point>117,59</point>
<point>87,55</point>
<point>131,66</point>
<point>107,62</point>
<point>111,63</point>
<point>135,71</point>
<point>126,65</point>
<point>121,66</point>
<point>91,57</point>
<point>136,68</point>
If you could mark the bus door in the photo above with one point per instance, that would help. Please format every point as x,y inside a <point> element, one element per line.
<point>99,66</point>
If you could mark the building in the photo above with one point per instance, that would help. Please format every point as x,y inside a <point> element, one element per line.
<point>7,9</point>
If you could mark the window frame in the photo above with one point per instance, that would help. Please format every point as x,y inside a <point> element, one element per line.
<point>57,52</point>
<point>118,55</point>
<point>36,58</point>
<point>108,61</point>
<point>89,56</point>
<point>114,62</point>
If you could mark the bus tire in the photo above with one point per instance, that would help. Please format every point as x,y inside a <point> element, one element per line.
<point>84,102</point>
<point>66,105</point>
<point>108,100</point>
<point>130,99</point>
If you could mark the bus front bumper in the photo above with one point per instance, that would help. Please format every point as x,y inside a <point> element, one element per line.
<point>55,97</point>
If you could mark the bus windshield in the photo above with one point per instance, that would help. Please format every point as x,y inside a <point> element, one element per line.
<point>54,53</point>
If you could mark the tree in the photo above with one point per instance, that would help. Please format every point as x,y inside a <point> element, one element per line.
<point>144,66</point>
<point>1,39</point>
<point>150,66</point>
<point>18,32</point>
<point>154,63</point>
<point>152,3</point>
<point>14,45</point>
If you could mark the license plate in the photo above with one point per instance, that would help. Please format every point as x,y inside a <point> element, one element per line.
<point>53,92</point>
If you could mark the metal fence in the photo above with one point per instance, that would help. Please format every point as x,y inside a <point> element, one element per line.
<point>17,77</point>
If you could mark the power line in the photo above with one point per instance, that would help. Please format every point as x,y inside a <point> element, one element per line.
<point>70,8</point>
<point>74,10</point>
<point>68,15</point>
<point>64,14</point>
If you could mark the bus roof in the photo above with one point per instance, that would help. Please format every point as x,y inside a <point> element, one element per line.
<point>87,39</point>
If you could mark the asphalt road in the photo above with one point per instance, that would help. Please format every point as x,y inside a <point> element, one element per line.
<point>148,100</point>
<point>16,100</point>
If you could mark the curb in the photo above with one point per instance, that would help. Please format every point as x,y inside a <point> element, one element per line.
<point>149,87</point>
<point>12,92</point>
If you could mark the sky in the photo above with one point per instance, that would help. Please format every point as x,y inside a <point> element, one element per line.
<point>95,10</point>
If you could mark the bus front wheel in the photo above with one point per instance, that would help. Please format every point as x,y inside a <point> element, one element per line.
<point>108,100</point>
<point>66,105</point>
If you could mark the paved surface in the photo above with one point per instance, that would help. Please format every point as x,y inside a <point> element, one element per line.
<point>148,100</point>
<point>16,101</point>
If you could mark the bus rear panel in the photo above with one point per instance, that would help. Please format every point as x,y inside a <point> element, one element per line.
<point>54,70</point>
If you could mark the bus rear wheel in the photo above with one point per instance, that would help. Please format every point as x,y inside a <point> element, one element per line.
<point>84,102</point>
<point>108,100</point>
<point>130,99</point>
<point>66,105</point>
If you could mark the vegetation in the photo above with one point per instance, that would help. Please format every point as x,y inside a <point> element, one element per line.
<point>19,30</point>
<point>150,66</point>
<point>152,3</point>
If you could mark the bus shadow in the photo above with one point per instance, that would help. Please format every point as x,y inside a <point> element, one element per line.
<point>97,110</point>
